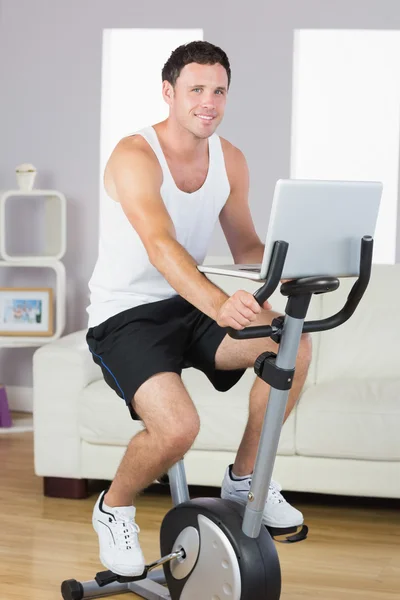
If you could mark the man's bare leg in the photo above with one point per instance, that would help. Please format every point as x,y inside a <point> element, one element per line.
<point>171,426</point>
<point>247,452</point>
<point>233,354</point>
<point>236,354</point>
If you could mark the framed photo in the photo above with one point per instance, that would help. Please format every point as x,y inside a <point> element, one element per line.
<point>26,311</point>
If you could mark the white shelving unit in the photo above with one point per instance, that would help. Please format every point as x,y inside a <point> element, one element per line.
<point>54,248</point>
<point>53,212</point>
<point>54,215</point>
<point>9,341</point>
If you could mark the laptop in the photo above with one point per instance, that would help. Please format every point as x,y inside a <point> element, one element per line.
<point>323,223</point>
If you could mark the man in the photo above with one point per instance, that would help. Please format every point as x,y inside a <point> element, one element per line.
<point>152,313</point>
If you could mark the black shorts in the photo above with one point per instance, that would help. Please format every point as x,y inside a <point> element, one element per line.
<point>169,335</point>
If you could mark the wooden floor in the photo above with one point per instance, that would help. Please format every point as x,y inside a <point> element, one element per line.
<point>352,553</point>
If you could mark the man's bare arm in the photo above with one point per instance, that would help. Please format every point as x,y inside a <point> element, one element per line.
<point>137,180</point>
<point>235,217</point>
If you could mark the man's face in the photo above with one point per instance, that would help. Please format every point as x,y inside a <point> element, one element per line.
<point>199,98</point>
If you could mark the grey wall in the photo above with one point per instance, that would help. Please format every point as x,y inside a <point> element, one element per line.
<point>50,74</point>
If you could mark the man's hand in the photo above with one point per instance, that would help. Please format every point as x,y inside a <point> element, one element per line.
<point>240,310</point>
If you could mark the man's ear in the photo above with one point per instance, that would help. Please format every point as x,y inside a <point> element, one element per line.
<point>167,92</point>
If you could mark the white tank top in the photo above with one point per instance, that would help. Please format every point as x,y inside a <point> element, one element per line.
<point>123,276</point>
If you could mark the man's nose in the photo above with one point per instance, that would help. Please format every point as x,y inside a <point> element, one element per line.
<point>208,100</point>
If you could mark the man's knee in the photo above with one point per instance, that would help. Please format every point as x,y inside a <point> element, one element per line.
<point>177,436</point>
<point>168,413</point>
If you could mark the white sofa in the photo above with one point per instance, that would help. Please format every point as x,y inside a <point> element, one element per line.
<point>343,437</point>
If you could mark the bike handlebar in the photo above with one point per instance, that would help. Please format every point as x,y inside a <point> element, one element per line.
<point>274,276</point>
<point>355,295</point>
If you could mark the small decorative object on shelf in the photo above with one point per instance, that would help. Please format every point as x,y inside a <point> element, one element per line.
<point>26,175</point>
<point>26,311</point>
<point>5,415</point>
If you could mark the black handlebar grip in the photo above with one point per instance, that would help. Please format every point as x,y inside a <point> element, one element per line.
<point>355,295</point>
<point>263,293</point>
<point>251,332</point>
<point>274,274</point>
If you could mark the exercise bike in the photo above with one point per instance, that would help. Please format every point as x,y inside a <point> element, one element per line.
<point>215,549</point>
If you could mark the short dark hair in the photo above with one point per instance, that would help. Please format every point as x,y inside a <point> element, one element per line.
<point>199,52</point>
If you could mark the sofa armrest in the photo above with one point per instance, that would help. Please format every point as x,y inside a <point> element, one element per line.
<point>61,370</point>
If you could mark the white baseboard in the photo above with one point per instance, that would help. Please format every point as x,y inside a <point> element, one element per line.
<point>20,398</point>
<point>19,425</point>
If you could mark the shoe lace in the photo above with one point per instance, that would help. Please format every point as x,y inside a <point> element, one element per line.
<point>275,495</point>
<point>125,532</point>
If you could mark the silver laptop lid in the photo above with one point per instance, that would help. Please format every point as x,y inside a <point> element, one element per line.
<point>323,222</point>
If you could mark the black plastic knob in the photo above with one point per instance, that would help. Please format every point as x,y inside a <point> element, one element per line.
<point>258,365</point>
<point>72,590</point>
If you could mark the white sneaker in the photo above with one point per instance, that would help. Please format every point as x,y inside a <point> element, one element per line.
<point>277,512</point>
<point>118,537</point>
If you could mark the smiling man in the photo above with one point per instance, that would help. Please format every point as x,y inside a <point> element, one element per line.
<point>152,313</point>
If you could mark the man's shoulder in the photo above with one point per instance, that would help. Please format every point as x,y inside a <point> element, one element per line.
<point>232,154</point>
<point>131,154</point>
<point>132,144</point>
<point>231,149</point>
<point>131,148</point>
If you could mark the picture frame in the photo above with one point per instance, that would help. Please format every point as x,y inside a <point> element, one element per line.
<point>26,311</point>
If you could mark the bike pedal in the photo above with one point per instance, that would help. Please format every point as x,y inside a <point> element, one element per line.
<point>106,577</point>
<point>298,536</point>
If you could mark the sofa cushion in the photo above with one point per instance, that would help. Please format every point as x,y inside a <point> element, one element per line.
<point>367,345</point>
<point>104,418</point>
<point>355,419</point>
